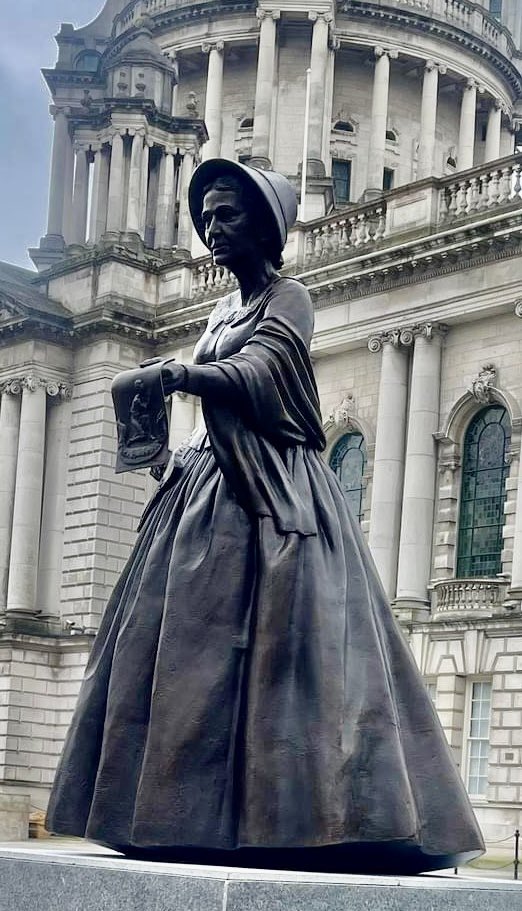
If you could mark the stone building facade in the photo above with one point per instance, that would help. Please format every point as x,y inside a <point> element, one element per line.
<point>410,242</point>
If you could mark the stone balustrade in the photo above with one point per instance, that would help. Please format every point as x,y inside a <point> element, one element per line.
<point>481,190</point>
<point>340,235</point>
<point>454,598</point>
<point>209,280</point>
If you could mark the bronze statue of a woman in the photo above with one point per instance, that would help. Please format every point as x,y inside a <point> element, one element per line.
<point>249,699</point>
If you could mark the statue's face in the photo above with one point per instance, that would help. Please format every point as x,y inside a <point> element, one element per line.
<point>229,228</point>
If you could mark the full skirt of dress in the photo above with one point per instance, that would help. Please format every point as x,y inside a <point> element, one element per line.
<point>250,689</point>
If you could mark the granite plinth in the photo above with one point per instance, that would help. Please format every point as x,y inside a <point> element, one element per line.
<point>84,880</point>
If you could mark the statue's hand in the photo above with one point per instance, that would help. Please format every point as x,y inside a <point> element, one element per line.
<point>173,377</point>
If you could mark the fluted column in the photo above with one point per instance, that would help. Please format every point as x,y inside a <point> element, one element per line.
<point>420,471</point>
<point>184,219</point>
<point>493,132</point>
<point>388,472</point>
<point>430,91</point>
<point>164,236</point>
<point>25,536</point>
<point>318,66</point>
<point>9,430</point>
<point>467,126</point>
<point>53,509</point>
<point>133,220</point>
<point>99,195</point>
<point>115,201</point>
<point>264,88</point>
<point>379,118</point>
<point>144,192</point>
<point>214,99</point>
<point>80,197</point>
<point>58,160</point>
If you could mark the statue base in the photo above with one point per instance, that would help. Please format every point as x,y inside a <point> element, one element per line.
<point>83,877</point>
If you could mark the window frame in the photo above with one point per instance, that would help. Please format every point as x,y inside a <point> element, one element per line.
<point>363,447</point>
<point>467,739</point>
<point>349,164</point>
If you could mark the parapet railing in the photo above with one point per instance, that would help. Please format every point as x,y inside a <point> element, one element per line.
<point>465,597</point>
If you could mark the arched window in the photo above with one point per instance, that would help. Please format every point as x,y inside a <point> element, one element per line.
<point>391,135</point>
<point>88,61</point>
<point>344,126</point>
<point>348,460</point>
<point>483,493</point>
<point>247,123</point>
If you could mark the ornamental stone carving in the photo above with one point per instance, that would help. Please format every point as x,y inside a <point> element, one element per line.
<point>482,385</point>
<point>399,338</point>
<point>31,381</point>
<point>342,414</point>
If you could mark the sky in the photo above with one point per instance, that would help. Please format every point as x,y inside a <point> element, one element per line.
<point>27,44</point>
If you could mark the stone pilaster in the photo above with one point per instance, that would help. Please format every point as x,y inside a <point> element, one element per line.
<point>264,88</point>
<point>515,591</point>
<point>430,91</point>
<point>115,200</point>
<point>418,501</point>
<point>67,184</point>
<point>379,119</point>
<point>164,235</point>
<point>184,220</point>
<point>80,196</point>
<point>133,221</point>
<point>468,110</point>
<point>9,429</point>
<point>54,491</point>
<point>388,472</point>
<point>214,98</point>
<point>99,196</point>
<point>318,67</point>
<point>25,535</point>
<point>493,132</point>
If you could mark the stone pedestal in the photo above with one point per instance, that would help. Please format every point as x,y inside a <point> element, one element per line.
<point>14,820</point>
<point>43,880</point>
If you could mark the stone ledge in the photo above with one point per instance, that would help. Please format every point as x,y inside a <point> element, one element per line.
<point>96,880</point>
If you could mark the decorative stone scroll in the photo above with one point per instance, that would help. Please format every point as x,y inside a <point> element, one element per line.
<point>404,336</point>
<point>31,381</point>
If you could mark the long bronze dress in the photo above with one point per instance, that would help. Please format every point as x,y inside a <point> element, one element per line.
<point>249,691</point>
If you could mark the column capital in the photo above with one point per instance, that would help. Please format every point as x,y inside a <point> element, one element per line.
<point>429,331</point>
<point>380,51</point>
<point>431,65</point>
<point>32,382</point>
<point>208,46</point>
<point>469,85</point>
<point>268,14</point>
<point>399,338</point>
<point>315,16</point>
<point>11,386</point>
<point>55,110</point>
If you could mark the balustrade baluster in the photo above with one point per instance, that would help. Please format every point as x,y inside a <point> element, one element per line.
<point>505,186</point>
<point>473,194</point>
<point>353,231</point>
<point>494,189</point>
<point>517,186</point>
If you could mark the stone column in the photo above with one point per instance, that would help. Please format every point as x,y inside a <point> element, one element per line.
<point>164,235</point>
<point>58,159</point>
<point>213,99</point>
<point>53,509</point>
<point>264,88</point>
<point>385,514</point>
<point>144,193</point>
<point>184,219</point>
<point>25,537</point>
<point>467,126</point>
<point>9,430</point>
<point>420,472</point>
<point>430,89</point>
<point>182,418</point>
<point>379,119</point>
<point>68,180</point>
<point>100,186</point>
<point>492,151</point>
<point>133,219</point>
<point>318,66</point>
<point>115,201</point>
<point>80,197</point>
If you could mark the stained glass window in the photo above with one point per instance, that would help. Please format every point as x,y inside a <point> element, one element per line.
<point>483,493</point>
<point>348,460</point>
